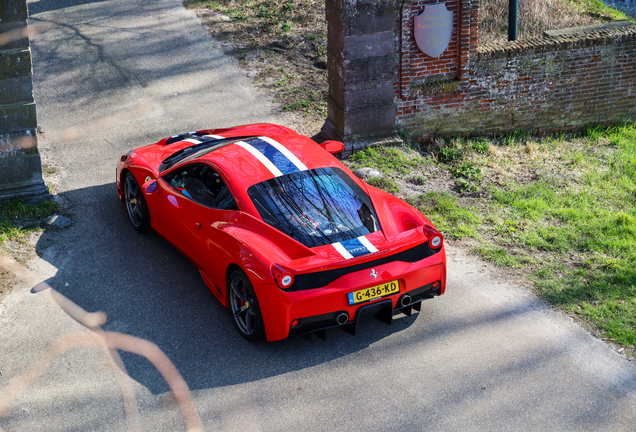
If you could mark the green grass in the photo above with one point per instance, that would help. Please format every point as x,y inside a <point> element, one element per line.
<point>17,218</point>
<point>388,160</point>
<point>560,210</point>
<point>579,219</point>
<point>384,183</point>
<point>599,10</point>
<point>449,216</point>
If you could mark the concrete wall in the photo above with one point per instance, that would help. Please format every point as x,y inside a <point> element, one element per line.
<point>20,168</point>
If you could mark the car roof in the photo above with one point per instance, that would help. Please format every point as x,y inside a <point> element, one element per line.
<point>256,159</point>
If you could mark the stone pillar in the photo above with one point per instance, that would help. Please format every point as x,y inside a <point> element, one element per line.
<point>20,167</point>
<point>361,65</point>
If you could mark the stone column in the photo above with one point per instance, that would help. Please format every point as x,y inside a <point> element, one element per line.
<point>361,65</point>
<point>20,167</point>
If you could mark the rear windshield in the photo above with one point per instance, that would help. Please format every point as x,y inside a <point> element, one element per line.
<point>316,207</point>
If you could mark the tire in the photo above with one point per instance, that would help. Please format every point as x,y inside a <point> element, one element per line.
<point>245,309</point>
<point>136,204</point>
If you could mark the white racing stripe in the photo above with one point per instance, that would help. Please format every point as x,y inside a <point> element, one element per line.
<point>284,150</point>
<point>258,155</point>
<point>366,243</point>
<point>214,136</point>
<point>192,140</point>
<point>340,248</point>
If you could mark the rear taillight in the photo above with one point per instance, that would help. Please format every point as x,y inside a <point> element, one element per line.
<point>283,277</point>
<point>435,239</point>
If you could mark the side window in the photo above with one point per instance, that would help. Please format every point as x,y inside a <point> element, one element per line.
<point>202,184</point>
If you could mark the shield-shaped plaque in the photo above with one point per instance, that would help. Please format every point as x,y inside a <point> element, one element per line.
<point>433,29</point>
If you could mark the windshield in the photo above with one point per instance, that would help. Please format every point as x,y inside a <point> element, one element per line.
<point>195,151</point>
<point>316,207</point>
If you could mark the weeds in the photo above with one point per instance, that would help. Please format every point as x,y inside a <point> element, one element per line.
<point>17,217</point>
<point>449,154</point>
<point>449,216</point>
<point>384,183</point>
<point>570,206</point>
<point>560,210</point>
<point>535,17</point>
<point>387,160</point>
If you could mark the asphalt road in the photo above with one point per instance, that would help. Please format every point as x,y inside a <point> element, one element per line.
<point>112,75</point>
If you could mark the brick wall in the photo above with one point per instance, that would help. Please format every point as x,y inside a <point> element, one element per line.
<point>542,85</point>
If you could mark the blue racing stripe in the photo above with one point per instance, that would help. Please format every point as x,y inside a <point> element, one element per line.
<point>279,160</point>
<point>355,247</point>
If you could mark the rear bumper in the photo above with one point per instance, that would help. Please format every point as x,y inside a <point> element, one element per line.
<point>317,309</point>
<point>383,310</point>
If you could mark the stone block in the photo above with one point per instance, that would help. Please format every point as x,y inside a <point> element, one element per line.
<point>17,117</point>
<point>13,142</point>
<point>15,64</point>
<point>21,177</point>
<point>367,46</point>
<point>587,29</point>
<point>360,72</point>
<point>354,98</point>
<point>367,21</point>
<point>13,11</point>
<point>357,47</point>
<point>356,5</point>
<point>335,18</point>
<point>16,90</point>
<point>362,120</point>
<point>14,36</point>
<point>357,142</point>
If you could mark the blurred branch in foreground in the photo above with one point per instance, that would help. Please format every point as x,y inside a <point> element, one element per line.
<point>110,342</point>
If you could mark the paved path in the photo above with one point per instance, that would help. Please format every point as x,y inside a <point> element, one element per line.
<point>112,75</point>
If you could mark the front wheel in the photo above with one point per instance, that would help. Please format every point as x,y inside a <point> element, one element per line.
<point>245,308</point>
<point>136,204</point>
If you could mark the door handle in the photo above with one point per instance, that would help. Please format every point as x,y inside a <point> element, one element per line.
<point>198,225</point>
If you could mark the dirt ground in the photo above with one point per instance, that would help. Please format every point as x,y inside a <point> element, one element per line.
<point>281,45</point>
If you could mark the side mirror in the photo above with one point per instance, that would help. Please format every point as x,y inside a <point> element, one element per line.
<point>333,147</point>
<point>150,187</point>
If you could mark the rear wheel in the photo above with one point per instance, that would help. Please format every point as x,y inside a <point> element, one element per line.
<point>136,204</point>
<point>245,308</point>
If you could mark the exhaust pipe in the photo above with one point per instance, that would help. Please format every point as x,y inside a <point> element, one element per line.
<point>342,318</point>
<point>405,300</point>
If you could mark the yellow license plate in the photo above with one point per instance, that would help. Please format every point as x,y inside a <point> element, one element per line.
<point>374,292</point>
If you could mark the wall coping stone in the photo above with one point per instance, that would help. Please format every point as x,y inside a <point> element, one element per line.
<point>566,41</point>
<point>586,29</point>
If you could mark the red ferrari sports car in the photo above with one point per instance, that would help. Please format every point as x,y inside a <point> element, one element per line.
<point>282,232</point>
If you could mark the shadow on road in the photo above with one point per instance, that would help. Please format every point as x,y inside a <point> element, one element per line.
<point>474,361</point>
<point>149,290</point>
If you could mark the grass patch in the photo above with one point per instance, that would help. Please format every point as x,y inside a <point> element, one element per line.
<point>560,211</point>
<point>563,210</point>
<point>388,160</point>
<point>446,212</point>
<point>17,217</point>
<point>498,255</point>
<point>384,183</point>
<point>535,17</point>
